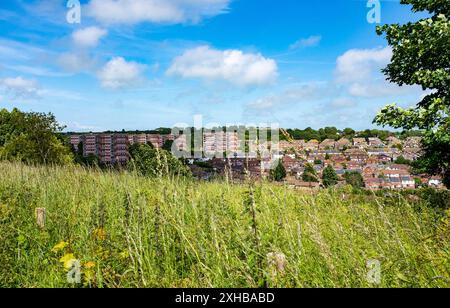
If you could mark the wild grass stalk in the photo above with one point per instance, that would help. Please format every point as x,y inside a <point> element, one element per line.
<point>130,231</point>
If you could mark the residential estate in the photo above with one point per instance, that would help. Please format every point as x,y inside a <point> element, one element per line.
<point>373,158</point>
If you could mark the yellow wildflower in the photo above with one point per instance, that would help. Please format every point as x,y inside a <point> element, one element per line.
<point>99,234</point>
<point>89,277</point>
<point>89,264</point>
<point>68,261</point>
<point>59,247</point>
<point>124,255</point>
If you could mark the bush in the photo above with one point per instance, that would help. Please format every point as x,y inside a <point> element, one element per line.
<point>354,179</point>
<point>330,177</point>
<point>434,198</point>
<point>33,138</point>
<point>310,174</point>
<point>151,162</point>
<point>279,173</point>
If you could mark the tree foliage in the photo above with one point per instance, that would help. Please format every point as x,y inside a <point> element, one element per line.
<point>421,56</point>
<point>32,138</point>
<point>89,161</point>
<point>310,174</point>
<point>279,173</point>
<point>329,177</point>
<point>354,179</point>
<point>151,162</point>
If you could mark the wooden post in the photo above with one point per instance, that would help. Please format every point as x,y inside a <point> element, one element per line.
<point>40,217</point>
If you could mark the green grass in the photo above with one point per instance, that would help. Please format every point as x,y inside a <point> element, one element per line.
<point>130,231</point>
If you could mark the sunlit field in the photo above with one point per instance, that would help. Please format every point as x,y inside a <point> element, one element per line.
<point>130,231</point>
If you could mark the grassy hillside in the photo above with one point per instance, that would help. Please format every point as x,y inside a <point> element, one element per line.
<point>129,231</point>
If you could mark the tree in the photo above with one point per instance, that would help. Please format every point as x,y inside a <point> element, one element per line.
<point>90,160</point>
<point>349,133</point>
<point>329,177</point>
<point>329,133</point>
<point>32,138</point>
<point>354,179</point>
<point>279,173</point>
<point>310,174</point>
<point>151,162</point>
<point>402,161</point>
<point>168,145</point>
<point>421,57</point>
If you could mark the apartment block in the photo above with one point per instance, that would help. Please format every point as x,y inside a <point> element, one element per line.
<point>120,148</point>
<point>156,140</point>
<point>89,145</point>
<point>105,150</point>
<point>181,144</point>
<point>75,141</point>
<point>140,139</point>
<point>220,142</point>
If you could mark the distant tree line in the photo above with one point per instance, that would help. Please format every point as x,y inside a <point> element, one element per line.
<point>297,134</point>
<point>333,133</point>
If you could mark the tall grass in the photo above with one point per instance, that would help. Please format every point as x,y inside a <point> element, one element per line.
<point>130,231</point>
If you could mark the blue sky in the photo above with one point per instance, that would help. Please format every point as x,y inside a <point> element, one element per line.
<point>143,64</point>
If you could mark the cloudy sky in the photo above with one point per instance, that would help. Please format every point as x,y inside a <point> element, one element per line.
<point>143,64</point>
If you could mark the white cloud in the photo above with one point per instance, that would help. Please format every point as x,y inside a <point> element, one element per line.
<point>361,64</point>
<point>8,52</point>
<point>14,50</point>
<point>76,62</point>
<point>306,42</point>
<point>118,73</point>
<point>20,87</point>
<point>155,11</point>
<point>264,103</point>
<point>294,94</point>
<point>75,126</point>
<point>35,70</point>
<point>378,89</point>
<point>359,71</point>
<point>343,102</point>
<point>88,37</point>
<point>233,66</point>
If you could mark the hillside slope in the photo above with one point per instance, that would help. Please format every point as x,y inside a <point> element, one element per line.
<point>128,231</point>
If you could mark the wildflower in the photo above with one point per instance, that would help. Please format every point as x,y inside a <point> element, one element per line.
<point>124,255</point>
<point>68,260</point>
<point>89,276</point>
<point>89,264</point>
<point>99,234</point>
<point>102,252</point>
<point>59,247</point>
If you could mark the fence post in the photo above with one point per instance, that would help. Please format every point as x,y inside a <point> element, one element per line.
<point>41,214</point>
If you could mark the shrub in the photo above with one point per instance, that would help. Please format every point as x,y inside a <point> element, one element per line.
<point>310,174</point>
<point>354,179</point>
<point>279,173</point>
<point>330,178</point>
<point>151,162</point>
